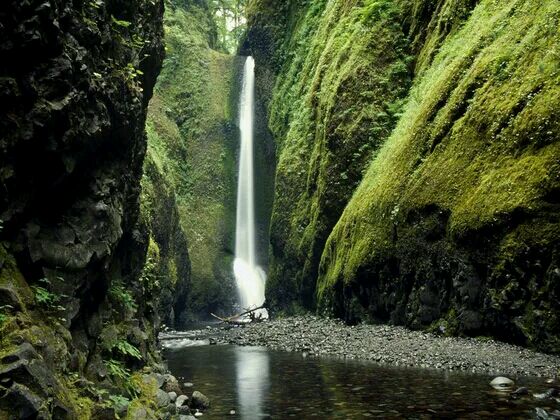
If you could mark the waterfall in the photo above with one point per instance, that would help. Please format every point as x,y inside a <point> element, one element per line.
<point>250,278</point>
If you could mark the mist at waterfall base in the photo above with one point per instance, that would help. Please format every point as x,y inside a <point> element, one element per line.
<point>250,278</point>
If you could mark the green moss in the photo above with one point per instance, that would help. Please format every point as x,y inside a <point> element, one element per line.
<point>478,140</point>
<point>345,68</point>
<point>145,402</point>
<point>11,278</point>
<point>189,172</point>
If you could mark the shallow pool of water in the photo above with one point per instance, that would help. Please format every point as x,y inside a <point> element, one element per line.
<point>258,383</point>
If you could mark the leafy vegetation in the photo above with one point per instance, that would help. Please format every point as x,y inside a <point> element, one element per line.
<point>126,349</point>
<point>339,92</point>
<point>470,168</point>
<point>45,298</point>
<point>4,309</point>
<point>229,17</point>
<point>189,171</point>
<point>121,296</point>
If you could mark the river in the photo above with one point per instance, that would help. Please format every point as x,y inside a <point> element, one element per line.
<point>258,383</point>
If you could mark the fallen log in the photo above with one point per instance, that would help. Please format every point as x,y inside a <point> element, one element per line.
<point>234,319</point>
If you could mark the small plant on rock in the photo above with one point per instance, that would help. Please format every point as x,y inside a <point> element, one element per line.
<point>127,349</point>
<point>121,375</point>
<point>3,314</point>
<point>45,298</point>
<point>121,296</point>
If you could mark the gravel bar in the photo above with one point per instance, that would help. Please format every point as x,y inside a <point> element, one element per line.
<point>391,345</point>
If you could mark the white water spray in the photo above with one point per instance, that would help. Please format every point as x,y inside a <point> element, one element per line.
<point>250,278</point>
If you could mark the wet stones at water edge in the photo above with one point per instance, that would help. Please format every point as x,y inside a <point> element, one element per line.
<point>171,397</point>
<point>502,383</point>
<point>392,345</point>
<point>200,401</point>
<point>542,414</point>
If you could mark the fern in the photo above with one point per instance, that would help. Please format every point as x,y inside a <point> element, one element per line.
<point>127,349</point>
<point>117,370</point>
<point>121,296</point>
<point>121,23</point>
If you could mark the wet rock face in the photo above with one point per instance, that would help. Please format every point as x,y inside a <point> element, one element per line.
<point>434,224</point>
<point>75,80</point>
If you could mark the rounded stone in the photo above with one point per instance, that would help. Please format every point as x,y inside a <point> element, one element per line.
<point>502,383</point>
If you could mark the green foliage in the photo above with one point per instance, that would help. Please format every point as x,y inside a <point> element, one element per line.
<point>46,298</point>
<point>4,309</point>
<point>126,349</point>
<point>116,402</point>
<point>478,141</point>
<point>121,296</point>
<point>122,376</point>
<point>345,72</point>
<point>229,17</point>
<point>117,370</point>
<point>121,23</point>
<point>150,272</point>
<point>190,163</point>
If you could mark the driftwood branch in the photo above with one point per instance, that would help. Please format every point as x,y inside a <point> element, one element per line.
<point>234,319</point>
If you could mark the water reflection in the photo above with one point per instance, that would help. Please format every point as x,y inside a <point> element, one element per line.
<point>258,383</point>
<point>252,370</point>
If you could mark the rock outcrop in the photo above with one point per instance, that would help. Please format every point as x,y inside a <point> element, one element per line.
<point>418,153</point>
<point>76,308</point>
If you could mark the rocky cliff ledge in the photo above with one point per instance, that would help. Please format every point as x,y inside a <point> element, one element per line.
<point>76,311</point>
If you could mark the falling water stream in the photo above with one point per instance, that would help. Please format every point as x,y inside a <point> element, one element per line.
<point>250,278</point>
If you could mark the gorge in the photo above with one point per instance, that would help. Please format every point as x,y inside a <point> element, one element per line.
<point>392,164</point>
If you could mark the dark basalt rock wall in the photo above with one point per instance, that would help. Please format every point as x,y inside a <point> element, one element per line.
<point>73,113</point>
<point>75,81</point>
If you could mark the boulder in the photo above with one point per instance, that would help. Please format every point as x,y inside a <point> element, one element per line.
<point>184,410</point>
<point>162,399</point>
<point>154,378</point>
<point>519,392</point>
<point>34,374</point>
<point>171,384</point>
<point>548,394</point>
<point>172,396</point>
<point>200,401</point>
<point>171,409</point>
<point>137,413</point>
<point>22,402</point>
<point>24,351</point>
<point>8,296</point>
<point>181,400</point>
<point>502,383</point>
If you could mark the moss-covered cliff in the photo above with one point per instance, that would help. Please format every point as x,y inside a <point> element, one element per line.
<point>76,309</point>
<point>450,110</point>
<point>189,172</point>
